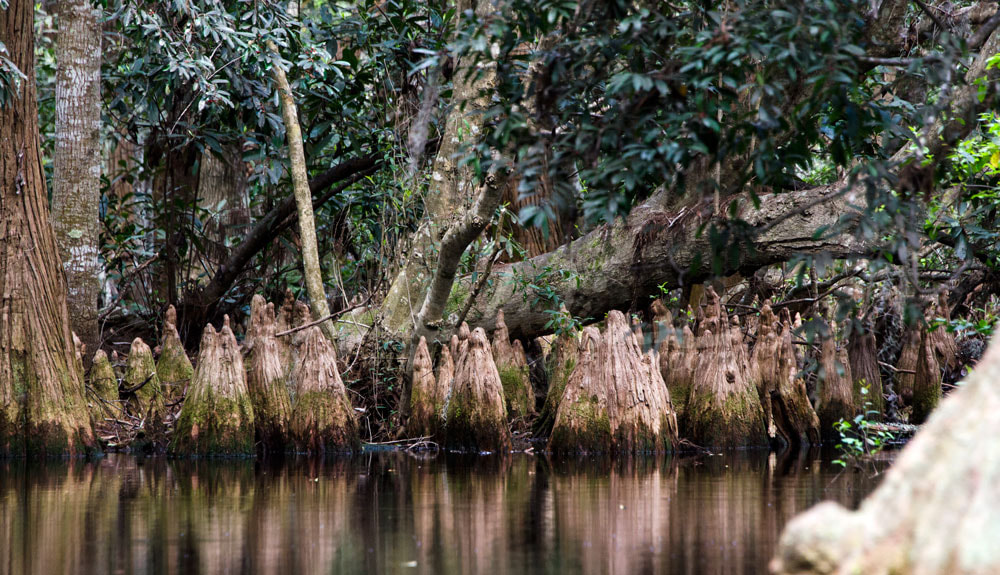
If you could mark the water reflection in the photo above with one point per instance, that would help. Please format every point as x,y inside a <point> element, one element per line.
<point>395,513</point>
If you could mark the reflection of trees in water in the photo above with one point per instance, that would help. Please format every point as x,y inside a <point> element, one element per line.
<point>394,512</point>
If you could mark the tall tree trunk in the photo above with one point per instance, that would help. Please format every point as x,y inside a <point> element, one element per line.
<point>42,409</point>
<point>76,186</point>
<point>303,200</point>
<point>222,193</point>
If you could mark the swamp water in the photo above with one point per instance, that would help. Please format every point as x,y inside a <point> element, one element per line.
<point>389,512</point>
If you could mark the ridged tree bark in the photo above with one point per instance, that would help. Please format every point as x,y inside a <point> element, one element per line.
<point>76,162</point>
<point>42,408</point>
<point>223,194</point>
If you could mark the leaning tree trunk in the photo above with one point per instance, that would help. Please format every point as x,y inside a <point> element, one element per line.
<point>303,201</point>
<point>935,511</point>
<point>322,418</point>
<point>266,379</point>
<point>76,162</point>
<point>217,417</point>
<point>477,419</point>
<point>42,408</point>
<point>616,400</point>
<point>724,409</point>
<point>836,388</point>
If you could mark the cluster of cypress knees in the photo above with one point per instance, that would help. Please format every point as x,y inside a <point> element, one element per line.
<point>616,391</point>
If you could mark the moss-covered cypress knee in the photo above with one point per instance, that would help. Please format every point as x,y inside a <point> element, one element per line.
<point>512,365</point>
<point>323,419</point>
<point>427,395</point>
<point>476,418</point>
<point>559,366</point>
<point>173,366</point>
<point>217,417</point>
<point>144,394</point>
<point>616,399</point>
<point>927,382</point>
<point>102,388</point>
<point>266,380</point>
<point>724,409</point>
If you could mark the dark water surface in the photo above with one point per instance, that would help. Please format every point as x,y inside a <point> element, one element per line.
<point>397,513</point>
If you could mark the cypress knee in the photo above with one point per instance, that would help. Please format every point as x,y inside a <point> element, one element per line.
<point>477,419</point>
<point>323,419</point>
<point>173,366</point>
<point>512,365</point>
<point>266,380</point>
<point>217,416</point>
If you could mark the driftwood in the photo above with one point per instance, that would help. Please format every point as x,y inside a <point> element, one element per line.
<point>935,511</point>
<point>173,366</point>
<point>323,419</point>
<point>266,379</point>
<point>217,416</point>
<point>427,393</point>
<point>616,399</point>
<point>723,409</point>
<point>512,365</point>
<point>836,390</point>
<point>787,411</point>
<point>476,419</point>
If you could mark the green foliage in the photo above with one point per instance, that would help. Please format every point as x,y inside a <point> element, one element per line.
<point>860,438</point>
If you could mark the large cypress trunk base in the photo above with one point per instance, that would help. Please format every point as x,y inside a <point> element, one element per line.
<point>936,509</point>
<point>217,417</point>
<point>323,419</point>
<point>616,399</point>
<point>927,381</point>
<point>477,419</point>
<point>266,380</point>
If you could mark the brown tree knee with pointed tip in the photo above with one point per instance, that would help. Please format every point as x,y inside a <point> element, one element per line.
<point>266,380</point>
<point>323,419</point>
<point>477,420</point>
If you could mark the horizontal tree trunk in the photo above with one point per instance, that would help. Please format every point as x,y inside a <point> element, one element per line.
<point>613,266</point>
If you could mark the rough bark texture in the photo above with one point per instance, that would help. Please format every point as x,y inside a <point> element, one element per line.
<point>217,417</point>
<point>927,381</point>
<point>477,419</point>
<point>934,513</point>
<point>76,162</point>
<point>559,366</point>
<point>836,389</point>
<point>942,340</point>
<point>285,322</point>
<point>446,372</point>
<point>322,418</point>
<point>428,395</point>
<point>863,353</point>
<point>303,201</point>
<point>223,195</point>
<point>783,395</point>
<point>678,361</point>
<point>907,363</point>
<point>173,367</point>
<point>512,364</point>
<point>42,408</point>
<point>447,195</point>
<point>616,400</point>
<point>146,399</point>
<point>266,380</point>
<point>724,409</point>
<point>102,387</point>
